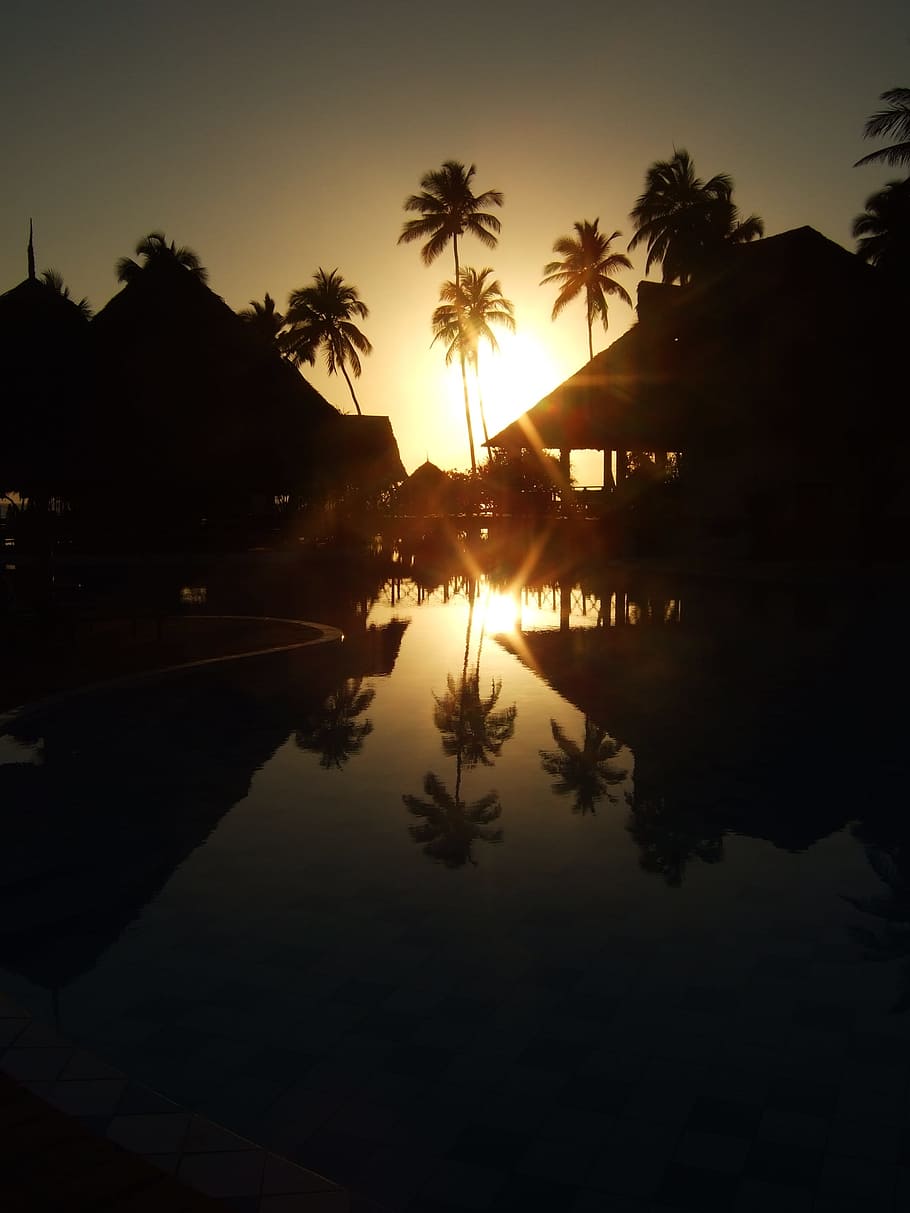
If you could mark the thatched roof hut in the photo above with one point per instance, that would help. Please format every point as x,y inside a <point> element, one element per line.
<point>361,452</point>
<point>44,356</point>
<point>426,492</point>
<point>774,378</point>
<point>192,400</point>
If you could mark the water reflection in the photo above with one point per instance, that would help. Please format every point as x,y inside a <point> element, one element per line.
<point>474,732</point>
<point>890,940</point>
<point>670,836</point>
<point>586,772</point>
<point>451,827</point>
<point>333,731</point>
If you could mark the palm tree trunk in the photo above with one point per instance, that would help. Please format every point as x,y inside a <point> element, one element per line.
<point>590,328</point>
<point>464,373</point>
<point>351,390</point>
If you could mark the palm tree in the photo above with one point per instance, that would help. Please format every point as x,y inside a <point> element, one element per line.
<point>319,318</point>
<point>670,835</point>
<point>587,265</point>
<point>472,731</point>
<point>155,250</point>
<point>451,827</point>
<point>585,771</point>
<point>883,229</point>
<point>264,321</point>
<point>448,208</point>
<point>687,223</point>
<point>333,733</point>
<point>54,280</point>
<point>463,320</point>
<point>895,120</point>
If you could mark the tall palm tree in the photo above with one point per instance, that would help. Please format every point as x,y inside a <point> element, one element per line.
<point>155,250</point>
<point>463,320</point>
<point>264,321</point>
<point>894,120</point>
<point>687,223</point>
<point>448,208</point>
<point>319,317</point>
<point>587,265</point>
<point>54,280</point>
<point>586,771</point>
<point>883,230</point>
<point>473,732</point>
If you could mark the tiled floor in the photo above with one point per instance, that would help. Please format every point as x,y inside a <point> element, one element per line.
<point>200,1155</point>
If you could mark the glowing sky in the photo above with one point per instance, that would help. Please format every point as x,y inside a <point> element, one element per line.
<point>277,137</point>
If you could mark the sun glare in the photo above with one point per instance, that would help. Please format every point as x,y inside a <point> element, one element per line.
<point>510,382</point>
<point>500,613</point>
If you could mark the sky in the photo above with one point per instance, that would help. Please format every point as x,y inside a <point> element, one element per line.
<point>280,137</point>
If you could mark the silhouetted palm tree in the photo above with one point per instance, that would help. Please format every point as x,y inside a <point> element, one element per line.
<point>448,208</point>
<point>463,320</point>
<point>883,229</point>
<point>587,266</point>
<point>585,772</point>
<point>687,223</point>
<point>333,733</point>
<point>319,318</point>
<point>264,321</point>
<point>155,250</point>
<point>451,827</point>
<point>894,120</point>
<point>54,279</point>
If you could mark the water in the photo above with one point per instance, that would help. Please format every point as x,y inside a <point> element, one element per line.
<point>464,878</point>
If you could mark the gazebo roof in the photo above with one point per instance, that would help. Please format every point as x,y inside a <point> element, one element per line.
<point>749,340</point>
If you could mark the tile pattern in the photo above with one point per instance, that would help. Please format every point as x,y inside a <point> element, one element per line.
<point>239,1175</point>
<point>609,1087</point>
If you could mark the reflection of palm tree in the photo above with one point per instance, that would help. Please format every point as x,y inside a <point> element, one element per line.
<point>155,250</point>
<point>894,120</point>
<point>319,318</point>
<point>463,319</point>
<point>686,222</point>
<point>448,209</point>
<point>333,733</point>
<point>883,229</point>
<point>583,771</point>
<point>450,826</point>
<point>471,730</point>
<point>587,265</point>
<point>892,941</point>
<point>669,836</point>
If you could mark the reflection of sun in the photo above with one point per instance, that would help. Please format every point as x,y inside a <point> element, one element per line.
<point>499,612</point>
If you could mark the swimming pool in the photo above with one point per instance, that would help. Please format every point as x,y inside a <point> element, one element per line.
<point>558,896</point>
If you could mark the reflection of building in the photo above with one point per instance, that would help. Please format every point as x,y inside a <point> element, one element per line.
<point>774,379</point>
<point>132,780</point>
<point>761,713</point>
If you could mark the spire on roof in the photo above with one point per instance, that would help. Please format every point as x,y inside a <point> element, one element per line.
<point>31,251</point>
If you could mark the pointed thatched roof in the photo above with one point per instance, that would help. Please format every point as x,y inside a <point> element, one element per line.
<point>191,393</point>
<point>362,452</point>
<point>777,329</point>
<point>44,349</point>
<point>427,491</point>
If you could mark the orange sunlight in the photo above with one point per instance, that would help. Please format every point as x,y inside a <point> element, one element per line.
<point>511,381</point>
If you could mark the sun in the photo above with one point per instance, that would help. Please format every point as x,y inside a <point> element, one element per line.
<point>516,377</point>
<point>509,381</point>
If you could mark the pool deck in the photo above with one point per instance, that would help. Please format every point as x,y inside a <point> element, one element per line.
<point>79,1135</point>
